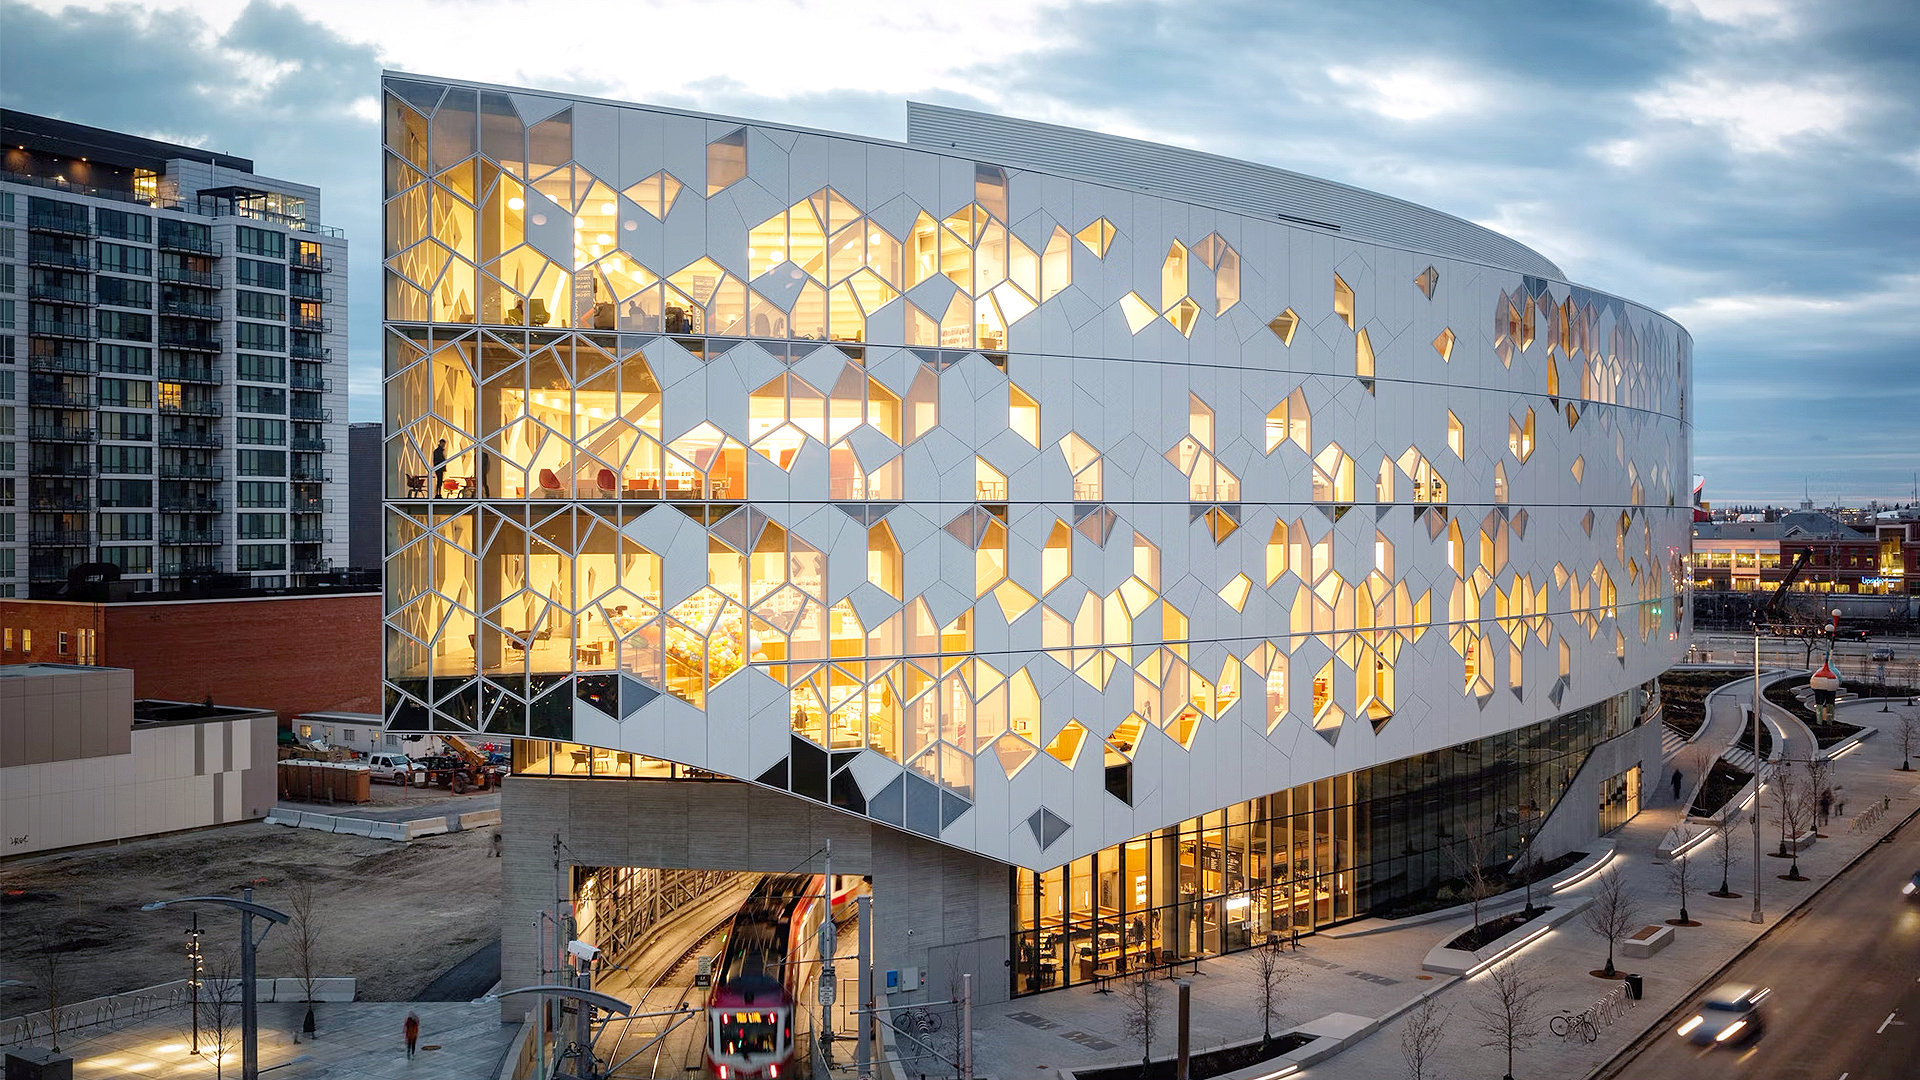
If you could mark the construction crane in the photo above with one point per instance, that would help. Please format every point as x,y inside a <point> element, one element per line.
<point>1763,616</point>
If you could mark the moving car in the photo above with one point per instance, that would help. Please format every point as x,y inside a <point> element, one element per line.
<point>1728,1016</point>
<point>1881,654</point>
<point>1912,887</point>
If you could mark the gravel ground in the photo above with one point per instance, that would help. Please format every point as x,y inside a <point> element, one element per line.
<point>392,915</point>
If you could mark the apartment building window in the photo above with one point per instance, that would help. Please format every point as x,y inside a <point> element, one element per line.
<point>261,462</point>
<point>126,526</point>
<point>6,315</point>
<point>126,393</point>
<point>6,491</point>
<point>6,277</point>
<point>261,557</point>
<point>126,359</point>
<point>126,292</point>
<point>6,393</point>
<point>260,399</point>
<point>131,325</point>
<point>251,241</point>
<point>6,243</point>
<point>126,459</point>
<point>6,455</point>
<point>259,305</point>
<point>137,493</point>
<point>256,368</point>
<point>124,225</point>
<point>191,235</point>
<point>259,429</point>
<point>26,639</point>
<point>86,646</point>
<point>130,560</point>
<point>263,527</point>
<point>260,275</point>
<point>121,259</point>
<point>6,214</point>
<point>126,426</point>
<point>260,493</point>
<point>63,643</point>
<point>261,337</point>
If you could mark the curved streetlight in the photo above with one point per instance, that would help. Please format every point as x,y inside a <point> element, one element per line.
<point>249,1005</point>
<point>592,999</point>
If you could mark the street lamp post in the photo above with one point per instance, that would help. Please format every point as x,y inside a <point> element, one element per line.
<point>1758,915</point>
<point>588,999</point>
<point>194,967</point>
<point>249,1003</point>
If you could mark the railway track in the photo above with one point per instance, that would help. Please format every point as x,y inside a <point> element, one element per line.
<point>680,1052</point>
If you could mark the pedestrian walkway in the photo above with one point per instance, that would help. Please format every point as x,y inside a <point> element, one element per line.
<point>1380,974</point>
<point>358,1040</point>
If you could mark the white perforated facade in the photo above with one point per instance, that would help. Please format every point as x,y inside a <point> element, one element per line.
<point>1023,512</point>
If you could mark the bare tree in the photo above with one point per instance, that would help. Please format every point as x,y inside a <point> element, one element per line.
<point>1507,1008</point>
<point>303,944</point>
<point>1270,973</point>
<point>1722,829</point>
<point>217,1015</point>
<point>1469,856</point>
<point>1680,884</point>
<point>1420,1038</point>
<point>1909,732</point>
<point>1140,997</point>
<point>1694,763</point>
<point>1613,914</point>
<point>1785,800</point>
<point>55,980</point>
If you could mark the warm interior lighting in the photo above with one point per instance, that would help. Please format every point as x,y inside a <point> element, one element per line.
<point>516,203</point>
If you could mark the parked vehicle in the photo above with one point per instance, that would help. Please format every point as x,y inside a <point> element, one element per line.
<point>396,769</point>
<point>1881,655</point>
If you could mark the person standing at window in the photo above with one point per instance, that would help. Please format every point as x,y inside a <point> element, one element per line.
<point>439,466</point>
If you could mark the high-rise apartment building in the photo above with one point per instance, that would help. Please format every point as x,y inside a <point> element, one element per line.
<point>170,326</point>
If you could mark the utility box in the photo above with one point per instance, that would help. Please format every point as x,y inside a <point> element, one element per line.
<point>38,1063</point>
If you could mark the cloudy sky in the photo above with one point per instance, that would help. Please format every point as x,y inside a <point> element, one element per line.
<point>1751,167</point>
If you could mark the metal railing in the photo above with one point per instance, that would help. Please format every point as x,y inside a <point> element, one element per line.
<point>54,257</point>
<point>190,408</point>
<point>309,382</point>
<point>54,398</point>
<point>309,352</point>
<point>58,503</point>
<point>175,338</point>
<point>208,439</point>
<point>312,476</point>
<point>188,504</point>
<point>192,243</point>
<point>187,309</point>
<point>312,566</point>
<point>299,442</point>
<point>58,294</point>
<point>312,536</point>
<point>310,506</point>
<point>311,323</point>
<point>192,471</point>
<point>39,467</point>
<point>184,569</point>
<point>60,537</point>
<point>59,224</point>
<point>60,363</point>
<point>60,328</point>
<point>180,275</point>
<point>310,412</point>
<point>192,536</point>
<point>301,291</point>
<point>61,433</point>
<point>195,373</point>
<point>302,261</point>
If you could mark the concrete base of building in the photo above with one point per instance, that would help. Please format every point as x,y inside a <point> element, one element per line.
<point>937,910</point>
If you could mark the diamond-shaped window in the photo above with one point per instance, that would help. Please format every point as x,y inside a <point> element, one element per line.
<point>1098,237</point>
<point>1283,325</point>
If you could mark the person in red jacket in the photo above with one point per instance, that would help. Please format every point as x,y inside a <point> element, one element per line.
<point>413,1031</point>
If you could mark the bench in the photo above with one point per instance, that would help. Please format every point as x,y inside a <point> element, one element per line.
<point>1103,980</point>
<point>1647,940</point>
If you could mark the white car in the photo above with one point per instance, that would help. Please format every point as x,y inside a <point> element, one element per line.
<point>1729,1016</point>
<point>397,769</point>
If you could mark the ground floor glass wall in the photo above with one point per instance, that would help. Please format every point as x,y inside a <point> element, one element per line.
<point>1383,839</point>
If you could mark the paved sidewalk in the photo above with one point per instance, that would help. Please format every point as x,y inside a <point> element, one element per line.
<point>360,1039</point>
<point>1379,974</point>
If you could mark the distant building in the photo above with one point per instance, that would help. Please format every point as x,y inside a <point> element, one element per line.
<point>364,473</point>
<point>1745,556</point>
<point>170,321</point>
<point>292,654</point>
<point>82,762</point>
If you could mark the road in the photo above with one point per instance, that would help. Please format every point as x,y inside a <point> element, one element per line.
<point>1845,973</point>
<point>1851,657</point>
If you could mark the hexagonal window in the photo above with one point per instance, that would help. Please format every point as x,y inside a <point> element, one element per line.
<point>1139,313</point>
<point>1235,592</point>
<point>1343,300</point>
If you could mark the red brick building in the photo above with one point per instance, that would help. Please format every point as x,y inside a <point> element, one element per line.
<point>291,654</point>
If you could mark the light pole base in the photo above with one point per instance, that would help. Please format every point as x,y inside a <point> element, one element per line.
<point>1758,917</point>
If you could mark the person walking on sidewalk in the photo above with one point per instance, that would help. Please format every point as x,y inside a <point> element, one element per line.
<point>413,1031</point>
<point>1676,785</point>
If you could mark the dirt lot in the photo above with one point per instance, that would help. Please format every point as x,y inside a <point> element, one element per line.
<point>392,915</point>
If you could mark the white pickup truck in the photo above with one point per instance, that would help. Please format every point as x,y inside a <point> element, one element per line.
<point>397,769</point>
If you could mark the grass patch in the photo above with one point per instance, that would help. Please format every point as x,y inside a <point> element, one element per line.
<point>1824,733</point>
<point>1723,783</point>
<point>1683,697</point>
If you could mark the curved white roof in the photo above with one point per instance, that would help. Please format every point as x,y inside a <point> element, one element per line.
<point>1241,186</point>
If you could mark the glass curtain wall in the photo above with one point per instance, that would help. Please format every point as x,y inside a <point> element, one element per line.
<point>1358,844</point>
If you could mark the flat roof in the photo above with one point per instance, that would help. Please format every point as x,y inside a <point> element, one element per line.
<point>43,669</point>
<point>63,137</point>
<point>160,711</point>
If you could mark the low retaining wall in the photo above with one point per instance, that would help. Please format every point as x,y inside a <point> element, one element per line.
<point>383,830</point>
<point>1461,962</point>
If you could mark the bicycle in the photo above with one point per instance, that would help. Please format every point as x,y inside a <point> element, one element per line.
<point>1568,1024</point>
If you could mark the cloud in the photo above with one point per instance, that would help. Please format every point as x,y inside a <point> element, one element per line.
<point>1747,165</point>
<point>1757,117</point>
